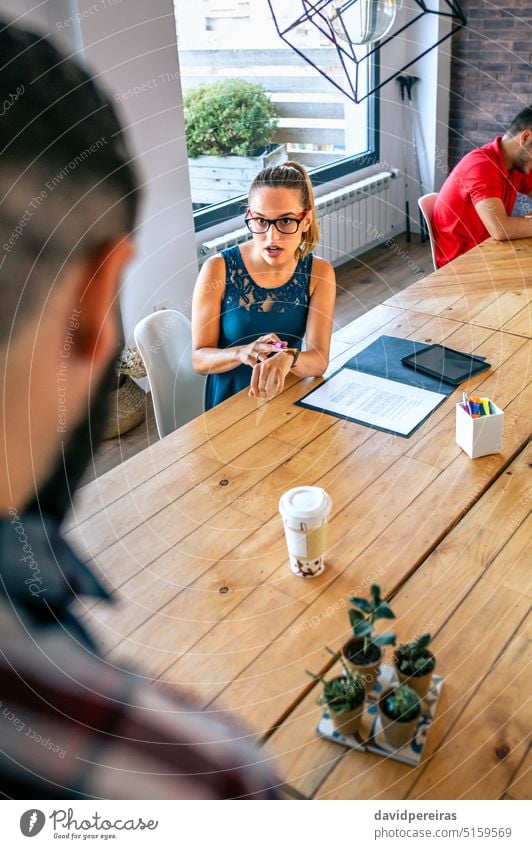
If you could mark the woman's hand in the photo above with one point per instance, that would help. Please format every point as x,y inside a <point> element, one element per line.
<point>269,375</point>
<point>258,350</point>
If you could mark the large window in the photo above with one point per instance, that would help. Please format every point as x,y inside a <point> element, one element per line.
<point>317,125</point>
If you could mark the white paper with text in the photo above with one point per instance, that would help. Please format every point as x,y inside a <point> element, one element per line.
<point>374,401</point>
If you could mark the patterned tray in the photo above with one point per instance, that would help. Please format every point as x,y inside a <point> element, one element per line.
<point>371,735</point>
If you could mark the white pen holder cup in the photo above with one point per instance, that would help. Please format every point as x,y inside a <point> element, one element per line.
<point>478,437</point>
<point>305,512</point>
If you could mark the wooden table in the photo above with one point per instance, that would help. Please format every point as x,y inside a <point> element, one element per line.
<point>189,535</point>
<point>487,287</point>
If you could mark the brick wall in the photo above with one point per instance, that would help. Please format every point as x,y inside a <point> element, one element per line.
<point>491,73</point>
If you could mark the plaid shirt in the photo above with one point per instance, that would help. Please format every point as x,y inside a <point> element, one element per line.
<point>75,726</point>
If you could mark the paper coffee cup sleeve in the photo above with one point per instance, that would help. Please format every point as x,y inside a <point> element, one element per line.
<point>316,542</point>
<point>307,545</point>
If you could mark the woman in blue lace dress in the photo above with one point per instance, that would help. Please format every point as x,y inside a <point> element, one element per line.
<point>253,304</point>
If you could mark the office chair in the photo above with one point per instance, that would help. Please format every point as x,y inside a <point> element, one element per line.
<point>164,340</point>
<point>426,205</point>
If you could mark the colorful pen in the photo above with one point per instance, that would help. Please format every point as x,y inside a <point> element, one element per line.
<point>477,407</point>
<point>485,404</point>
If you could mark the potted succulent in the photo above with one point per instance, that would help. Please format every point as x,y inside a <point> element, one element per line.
<point>364,650</point>
<point>400,710</point>
<point>414,664</point>
<point>230,127</point>
<point>344,696</point>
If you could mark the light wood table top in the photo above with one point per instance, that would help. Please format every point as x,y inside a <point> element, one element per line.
<point>188,534</point>
<point>489,286</point>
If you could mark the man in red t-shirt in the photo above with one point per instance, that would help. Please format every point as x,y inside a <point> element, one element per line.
<point>478,196</point>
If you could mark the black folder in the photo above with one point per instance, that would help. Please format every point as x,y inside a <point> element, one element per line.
<point>382,358</point>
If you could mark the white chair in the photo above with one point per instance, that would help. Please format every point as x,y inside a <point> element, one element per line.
<point>426,205</point>
<point>164,340</point>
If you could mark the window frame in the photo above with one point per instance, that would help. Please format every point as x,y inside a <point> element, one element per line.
<point>217,213</point>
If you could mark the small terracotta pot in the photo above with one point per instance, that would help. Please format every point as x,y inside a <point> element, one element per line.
<point>370,670</point>
<point>420,683</point>
<point>347,723</point>
<point>397,732</point>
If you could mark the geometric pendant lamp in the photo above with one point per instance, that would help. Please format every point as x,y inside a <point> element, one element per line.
<point>357,29</point>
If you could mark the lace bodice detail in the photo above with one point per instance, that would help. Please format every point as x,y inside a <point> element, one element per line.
<point>241,291</point>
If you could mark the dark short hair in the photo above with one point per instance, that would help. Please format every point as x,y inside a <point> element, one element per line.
<point>522,121</point>
<point>67,183</point>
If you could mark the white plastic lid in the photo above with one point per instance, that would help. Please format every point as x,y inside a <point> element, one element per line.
<point>304,502</point>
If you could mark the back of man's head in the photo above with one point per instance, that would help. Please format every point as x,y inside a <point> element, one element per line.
<point>68,198</point>
<point>522,121</point>
<point>67,185</point>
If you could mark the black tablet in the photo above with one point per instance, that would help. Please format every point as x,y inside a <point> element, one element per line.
<point>446,364</point>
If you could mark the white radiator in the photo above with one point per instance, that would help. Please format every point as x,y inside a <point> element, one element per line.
<point>351,219</point>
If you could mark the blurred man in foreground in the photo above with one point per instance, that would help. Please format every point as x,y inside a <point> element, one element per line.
<point>72,725</point>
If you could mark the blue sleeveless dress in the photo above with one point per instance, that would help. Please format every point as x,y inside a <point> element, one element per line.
<point>249,311</point>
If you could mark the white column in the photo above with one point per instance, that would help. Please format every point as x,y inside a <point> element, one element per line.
<point>131,47</point>
<point>431,98</point>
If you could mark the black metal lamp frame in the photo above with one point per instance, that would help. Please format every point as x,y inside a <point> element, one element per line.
<point>313,14</point>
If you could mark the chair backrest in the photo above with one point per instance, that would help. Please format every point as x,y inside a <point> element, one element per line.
<point>426,205</point>
<point>164,340</point>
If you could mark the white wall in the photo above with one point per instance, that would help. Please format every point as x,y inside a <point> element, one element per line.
<point>128,44</point>
<point>432,102</point>
<point>132,47</point>
<point>24,13</point>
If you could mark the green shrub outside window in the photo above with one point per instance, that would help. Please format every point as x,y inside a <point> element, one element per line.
<point>233,117</point>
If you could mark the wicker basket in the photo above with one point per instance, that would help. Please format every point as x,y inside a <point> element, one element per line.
<point>127,408</point>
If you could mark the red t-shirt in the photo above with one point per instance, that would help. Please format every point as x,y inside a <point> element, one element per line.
<point>479,175</point>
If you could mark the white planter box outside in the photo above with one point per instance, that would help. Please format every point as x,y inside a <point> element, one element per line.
<point>217,178</point>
